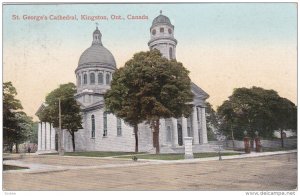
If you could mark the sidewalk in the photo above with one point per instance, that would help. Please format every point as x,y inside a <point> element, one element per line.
<point>43,168</point>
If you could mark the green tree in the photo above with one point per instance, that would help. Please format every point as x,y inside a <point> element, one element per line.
<point>150,87</point>
<point>256,109</point>
<point>24,128</point>
<point>11,106</point>
<point>33,135</point>
<point>70,110</point>
<point>212,122</point>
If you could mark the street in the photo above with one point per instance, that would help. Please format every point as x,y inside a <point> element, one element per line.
<point>277,172</point>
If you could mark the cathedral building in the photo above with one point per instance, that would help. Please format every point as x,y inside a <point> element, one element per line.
<point>103,131</point>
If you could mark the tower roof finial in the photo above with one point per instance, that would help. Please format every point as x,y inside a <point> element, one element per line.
<point>160,11</point>
<point>97,25</point>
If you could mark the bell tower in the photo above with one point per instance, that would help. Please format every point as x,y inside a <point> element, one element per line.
<point>162,36</point>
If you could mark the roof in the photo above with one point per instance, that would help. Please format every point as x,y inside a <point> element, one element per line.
<point>198,91</point>
<point>161,19</point>
<point>97,54</point>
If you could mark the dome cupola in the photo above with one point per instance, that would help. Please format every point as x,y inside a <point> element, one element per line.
<point>97,54</point>
<point>94,72</point>
<point>97,37</point>
<point>161,19</point>
<point>162,36</point>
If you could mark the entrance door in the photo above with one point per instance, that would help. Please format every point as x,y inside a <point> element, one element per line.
<point>180,141</point>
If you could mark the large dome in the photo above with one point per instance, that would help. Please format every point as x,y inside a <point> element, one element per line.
<point>97,54</point>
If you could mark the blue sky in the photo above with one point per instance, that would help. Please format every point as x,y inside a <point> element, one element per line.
<point>244,44</point>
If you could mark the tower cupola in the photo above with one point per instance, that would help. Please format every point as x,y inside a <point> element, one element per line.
<point>162,36</point>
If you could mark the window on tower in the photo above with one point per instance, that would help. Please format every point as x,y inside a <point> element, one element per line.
<point>107,78</point>
<point>171,53</point>
<point>84,79</point>
<point>92,78</point>
<point>153,32</point>
<point>161,30</point>
<point>100,78</point>
<point>79,80</point>
<point>170,31</point>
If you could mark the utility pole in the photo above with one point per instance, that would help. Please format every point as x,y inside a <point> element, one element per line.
<point>62,150</point>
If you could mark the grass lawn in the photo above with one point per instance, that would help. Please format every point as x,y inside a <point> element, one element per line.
<point>95,154</point>
<point>178,156</point>
<point>12,167</point>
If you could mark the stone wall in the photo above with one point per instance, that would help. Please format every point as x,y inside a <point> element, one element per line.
<point>288,143</point>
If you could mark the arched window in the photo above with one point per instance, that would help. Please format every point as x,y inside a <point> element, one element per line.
<point>104,123</point>
<point>93,126</point>
<point>171,53</point>
<point>79,80</point>
<point>107,78</point>
<point>119,127</point>
<point>161,30</point>
<point>92,78</point>
<point>84,79</point>
<point>100,78</point>
<point>170,31</point>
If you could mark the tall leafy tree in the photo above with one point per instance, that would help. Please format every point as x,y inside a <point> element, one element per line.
<point>150,87</point>
<point>11,106</point>
<point>256,109</point>
<point>70,109</point>
<point>212,122</point>
<point>24,128</point>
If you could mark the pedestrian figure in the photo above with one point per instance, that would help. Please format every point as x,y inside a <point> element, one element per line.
<point>29,149</point>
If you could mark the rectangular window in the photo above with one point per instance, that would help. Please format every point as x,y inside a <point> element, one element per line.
<point>104,124</point>
<point>119,127</point>
<point>169,134</point>
<point>189,132</point>
<point>93,126</point>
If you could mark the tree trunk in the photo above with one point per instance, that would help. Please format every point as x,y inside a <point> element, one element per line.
<point>281,137</point>
<point>11,145</point>
<point>17,148</point>
<point>136,138</point>
<point>58,139</point>
<point>73,140</point>
<point>232,138</point>
<point>156,136</point>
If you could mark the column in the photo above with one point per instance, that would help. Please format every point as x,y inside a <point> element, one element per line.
<point>199,124</point>
<point>175,132</point>
<point>39,136</point>
<point>43,136</point>
<point>203,129</point>
<point>162,131</point>
<point>195,126</point>
<point>184,127</point>
<point>52,137</point>
<point>48,136</point>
